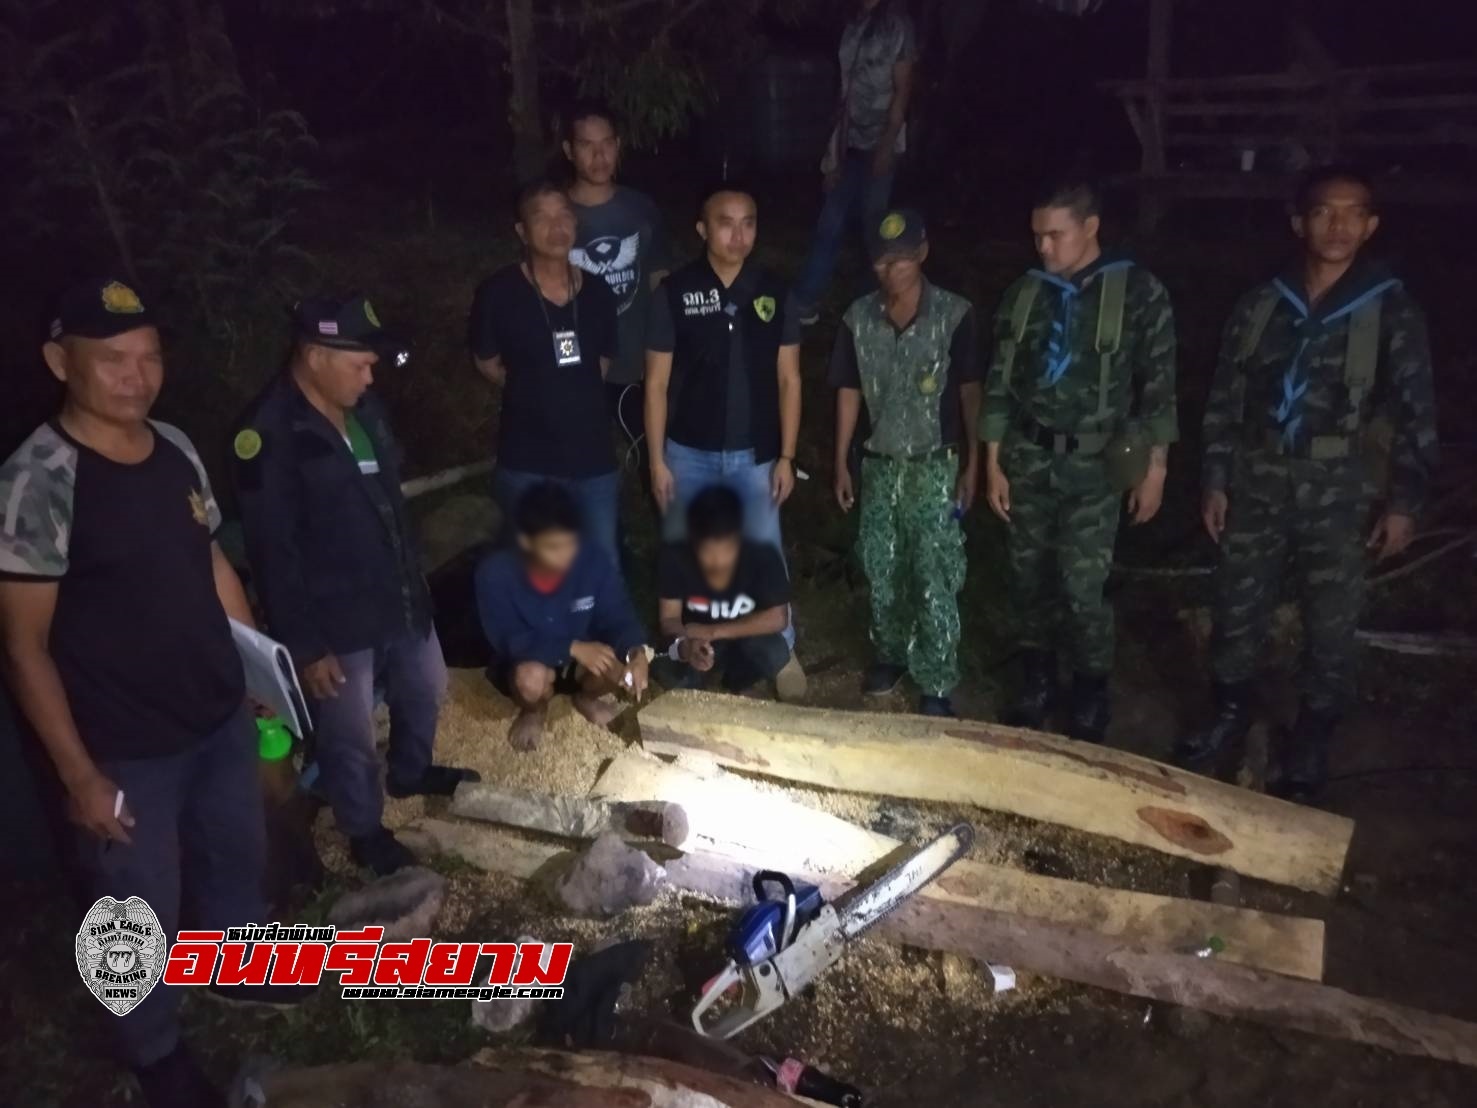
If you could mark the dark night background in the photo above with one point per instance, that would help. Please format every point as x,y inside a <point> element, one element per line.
<point>235,155</point>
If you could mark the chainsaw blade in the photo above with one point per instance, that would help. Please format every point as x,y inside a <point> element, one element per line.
<point>868,905</point>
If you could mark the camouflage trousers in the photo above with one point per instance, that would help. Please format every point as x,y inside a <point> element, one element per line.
<point>1063,522</point>
<point>912,551</point>
<point>1306,519</point>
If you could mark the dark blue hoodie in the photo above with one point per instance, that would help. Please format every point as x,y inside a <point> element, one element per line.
<point>525,625</point>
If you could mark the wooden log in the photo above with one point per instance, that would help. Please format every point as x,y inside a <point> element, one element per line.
<point>1045,777</point>
<point>571,816</point>
<point>734,818</point>
<point>1042,947</point>
<point>664,1083</point>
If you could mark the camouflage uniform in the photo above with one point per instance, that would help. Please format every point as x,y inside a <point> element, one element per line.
<point>911,546</point>
<point>1283,440</point>
<point>1063,511</point>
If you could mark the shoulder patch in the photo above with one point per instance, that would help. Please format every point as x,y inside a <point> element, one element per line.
<point>247,444</point>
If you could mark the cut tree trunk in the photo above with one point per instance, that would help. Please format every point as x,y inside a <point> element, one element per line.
<point>734,818</point>
<point>1044,777</point>
<point>575,817</point>
<point>1038,946</point>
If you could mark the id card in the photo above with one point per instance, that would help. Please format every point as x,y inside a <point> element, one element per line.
<point>566,348</point>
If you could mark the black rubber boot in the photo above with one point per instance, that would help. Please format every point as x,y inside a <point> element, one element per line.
<point>1301,771</point>
<point>1090,708</point>
<point>1038,690</point>
<point>882,678</point>
<point>939,706</point>
<point>1205,750</point>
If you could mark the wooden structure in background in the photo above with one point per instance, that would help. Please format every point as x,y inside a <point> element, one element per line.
<point>1248,136</point>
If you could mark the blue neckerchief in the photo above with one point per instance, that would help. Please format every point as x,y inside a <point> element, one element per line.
<point>1058,352</point>
<point>1287,412</point>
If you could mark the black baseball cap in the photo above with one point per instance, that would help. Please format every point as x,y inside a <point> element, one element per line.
<point>349,324</point>
<point>900,231</point>
<point>99,308</point>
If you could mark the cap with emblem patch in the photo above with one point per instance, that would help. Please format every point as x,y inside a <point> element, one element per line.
<point>900,231</point>
<point>99,308</point>
<point>350,324</point>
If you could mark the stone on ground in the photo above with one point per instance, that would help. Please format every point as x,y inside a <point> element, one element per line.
<point>609,878</point>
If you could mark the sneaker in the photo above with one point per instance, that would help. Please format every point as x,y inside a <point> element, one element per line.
<point>177,1081</point>
<point>381,852</point>
<point>882,678</point>
<point>1212,747</point>
<point>790,683</point>
<point>939,706</point>
<point>436,781</point>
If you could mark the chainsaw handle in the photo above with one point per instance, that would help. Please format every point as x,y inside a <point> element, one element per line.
<point>761,994</point>
<point>772,877</point>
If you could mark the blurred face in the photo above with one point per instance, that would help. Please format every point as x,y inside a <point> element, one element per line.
<point>547,225</point>
<point>729,226</point>
<point>717,559</point>
<point>552,551</point>
<point>1338,222</point>
<point>900,273</point>
<point>595,150</point>
<point>1064,242</point>
<point>116,380</point>
<point>339,376</point>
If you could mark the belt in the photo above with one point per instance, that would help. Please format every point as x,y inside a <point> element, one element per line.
<point>926,456</point>
<point>1060,442</point>
<point>1315,448</point>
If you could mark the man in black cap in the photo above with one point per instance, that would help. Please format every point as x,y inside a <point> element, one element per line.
<point>113,604</point>
<point>337,568</point>
<point>909,351</point>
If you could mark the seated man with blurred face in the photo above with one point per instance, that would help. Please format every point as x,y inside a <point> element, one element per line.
<point>725,602</point>
<point>336,566</point>
<point>113,604</point>
<point>557,617</point>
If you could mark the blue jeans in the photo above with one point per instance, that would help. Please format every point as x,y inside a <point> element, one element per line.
<point>598,499</point>
<point>695,470</point>
<point>857,193</point>
<point>414,676</point>
<point>198,852</point>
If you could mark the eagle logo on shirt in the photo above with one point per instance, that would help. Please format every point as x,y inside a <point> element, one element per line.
<point>615,258</point>
<point>197,508</point>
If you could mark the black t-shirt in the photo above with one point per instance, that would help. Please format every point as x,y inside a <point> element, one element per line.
<point>759,582</point>
<point>661,336</point>
<point>554,419</point>
<point>139,635</point>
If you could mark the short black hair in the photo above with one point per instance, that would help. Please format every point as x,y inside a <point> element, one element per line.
<point>1072,191</point>
<point>532,190</point>
<point>715,513</point>
<point>1314,181</point>
<point>546,507</point>
<point>713,188</point>
<point>582,110</point>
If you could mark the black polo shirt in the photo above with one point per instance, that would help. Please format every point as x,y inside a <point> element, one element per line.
<point>139,636</point>
<point>554,418</point>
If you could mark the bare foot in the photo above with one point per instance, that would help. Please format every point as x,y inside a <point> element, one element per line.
<point>527,729</point>
<point>598,711</point>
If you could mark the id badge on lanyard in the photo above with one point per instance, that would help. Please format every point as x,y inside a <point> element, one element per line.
<point>566,348</point>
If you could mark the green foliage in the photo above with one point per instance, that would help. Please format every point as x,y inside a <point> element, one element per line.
<point>189,181</point>
<point>657,92</point>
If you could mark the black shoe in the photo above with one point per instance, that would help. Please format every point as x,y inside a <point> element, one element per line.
<point>1090,708</point>
<point>1038,689</point>
<point>936,706</point>
<point>381,852</point>
<point>272,996</point>
<point>882,678</point>
<point>436,781</point>
<point>1301,769</point>
<point>1206,750</point>
<point>176,1081</point>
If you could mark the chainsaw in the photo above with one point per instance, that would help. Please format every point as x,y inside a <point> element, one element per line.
<point>790,937</point>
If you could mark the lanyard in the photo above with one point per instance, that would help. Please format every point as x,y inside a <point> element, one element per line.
<point>573,301</point>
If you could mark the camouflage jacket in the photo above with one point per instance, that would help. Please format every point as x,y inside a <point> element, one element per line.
<point>1141,387</point>
<point>1293,384</point>
<point>910,379</point>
